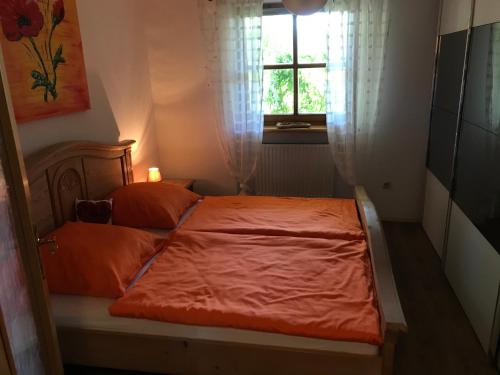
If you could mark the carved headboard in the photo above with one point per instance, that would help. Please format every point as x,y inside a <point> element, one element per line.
<point>63,172</point>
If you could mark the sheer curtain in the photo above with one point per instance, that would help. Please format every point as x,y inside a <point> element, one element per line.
<point>357,34</point>
<point>233,32</point>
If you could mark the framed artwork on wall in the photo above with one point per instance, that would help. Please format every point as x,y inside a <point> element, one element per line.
<point>42,50</point>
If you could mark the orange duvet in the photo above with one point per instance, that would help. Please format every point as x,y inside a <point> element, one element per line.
<point>278,216</point>
<point>301,286</point>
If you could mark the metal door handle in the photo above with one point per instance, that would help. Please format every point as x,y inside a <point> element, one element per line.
<point>51,242</point>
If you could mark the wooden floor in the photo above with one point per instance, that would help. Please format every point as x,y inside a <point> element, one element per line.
<point>440,340</point>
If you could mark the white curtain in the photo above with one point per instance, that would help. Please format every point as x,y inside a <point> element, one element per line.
<point>357,35</point>
<point>233,32</point>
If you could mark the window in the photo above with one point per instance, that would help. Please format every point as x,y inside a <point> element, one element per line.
<point>295,55</point>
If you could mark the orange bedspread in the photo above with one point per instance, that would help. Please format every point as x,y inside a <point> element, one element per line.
<point>293,285</point>
<point>301,217</point>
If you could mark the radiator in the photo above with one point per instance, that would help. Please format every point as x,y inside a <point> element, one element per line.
<point>295,170</point>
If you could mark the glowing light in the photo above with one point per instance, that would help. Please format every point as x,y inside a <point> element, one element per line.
<point>154,175</point>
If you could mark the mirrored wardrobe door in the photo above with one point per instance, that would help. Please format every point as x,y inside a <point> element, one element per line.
<point>451,52</point>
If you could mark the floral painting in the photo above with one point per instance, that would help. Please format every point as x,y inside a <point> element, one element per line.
<point>43,56</point>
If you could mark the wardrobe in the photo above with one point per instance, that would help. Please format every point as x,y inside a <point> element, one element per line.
<point>462,203</point>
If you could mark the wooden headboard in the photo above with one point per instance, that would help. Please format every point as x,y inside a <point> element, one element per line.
<point>63,172</point>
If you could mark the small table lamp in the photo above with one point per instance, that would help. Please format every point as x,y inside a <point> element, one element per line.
<point>154,175</point>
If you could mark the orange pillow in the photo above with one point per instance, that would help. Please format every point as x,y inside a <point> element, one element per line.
<point>97,259</point>
<point>151,205</point>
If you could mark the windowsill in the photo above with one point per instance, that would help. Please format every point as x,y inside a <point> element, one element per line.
<point>312,129</point>
<point>316,134</point>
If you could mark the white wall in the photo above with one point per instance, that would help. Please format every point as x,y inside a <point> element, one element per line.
<point>184,117</point>
<point>119,83</point>
<point>184,113</point>
<point>401,142</point>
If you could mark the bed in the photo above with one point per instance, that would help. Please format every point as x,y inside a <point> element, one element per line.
<point>88,335</point>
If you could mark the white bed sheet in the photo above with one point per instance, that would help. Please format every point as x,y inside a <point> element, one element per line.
<point>92,313</point>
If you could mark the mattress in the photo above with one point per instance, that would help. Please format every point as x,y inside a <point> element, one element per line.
<point>91,313</point>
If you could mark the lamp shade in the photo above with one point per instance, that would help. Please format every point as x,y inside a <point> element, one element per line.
<point>154,175</point>
<point>304,7</point>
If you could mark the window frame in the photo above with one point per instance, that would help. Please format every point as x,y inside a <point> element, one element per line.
<point>312,118</point>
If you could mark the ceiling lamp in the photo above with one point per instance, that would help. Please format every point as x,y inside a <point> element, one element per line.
<point>304,7</point>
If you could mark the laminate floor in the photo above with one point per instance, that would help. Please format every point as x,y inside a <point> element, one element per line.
<point>440,339</point>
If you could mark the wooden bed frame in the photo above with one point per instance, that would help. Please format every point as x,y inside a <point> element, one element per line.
<point>87,170</point>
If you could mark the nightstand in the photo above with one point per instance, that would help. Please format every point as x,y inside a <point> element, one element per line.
<point>184,182</point>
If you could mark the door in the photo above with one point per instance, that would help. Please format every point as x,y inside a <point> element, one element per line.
<point>4,361</point>
<point>28,343</point>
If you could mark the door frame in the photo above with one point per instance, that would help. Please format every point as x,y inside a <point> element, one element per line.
<point>6,361</point>
<point>19,194</point>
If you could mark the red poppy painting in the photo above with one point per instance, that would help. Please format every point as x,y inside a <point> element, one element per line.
<point>43,56</point>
